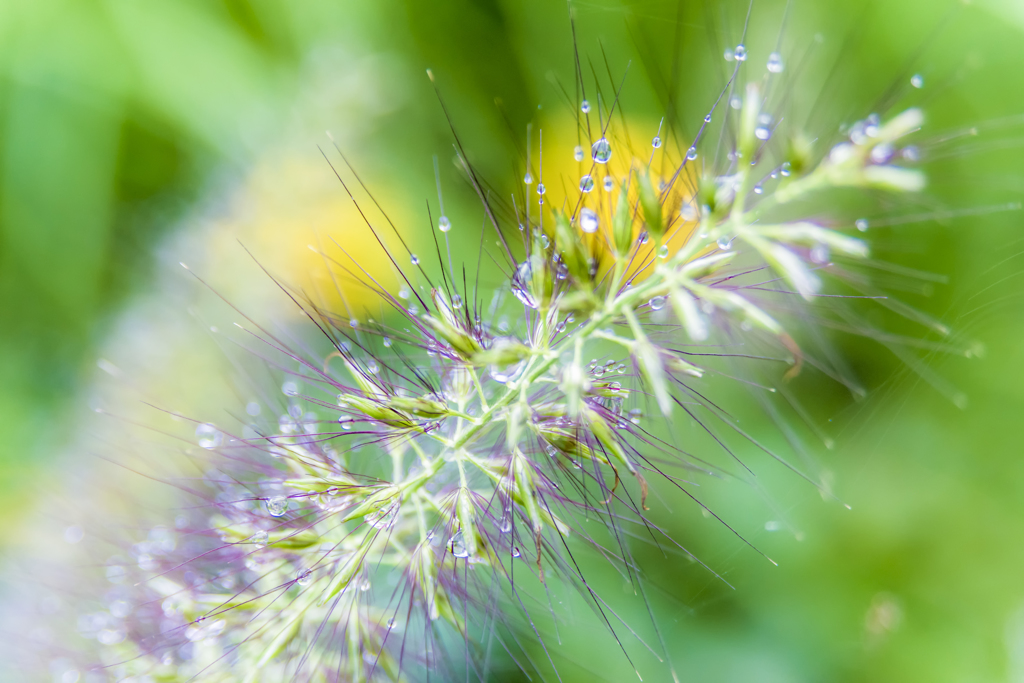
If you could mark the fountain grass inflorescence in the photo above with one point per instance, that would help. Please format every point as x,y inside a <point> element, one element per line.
<point>432,461</point>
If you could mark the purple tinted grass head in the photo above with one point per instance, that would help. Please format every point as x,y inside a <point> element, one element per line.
<point>402,495</point>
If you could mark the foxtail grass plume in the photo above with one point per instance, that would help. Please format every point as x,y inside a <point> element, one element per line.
<point>381,513</point>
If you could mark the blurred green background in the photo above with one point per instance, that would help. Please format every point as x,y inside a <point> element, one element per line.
<point>120,120</point>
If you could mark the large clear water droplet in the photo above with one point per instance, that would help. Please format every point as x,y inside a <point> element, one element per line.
<point>656,142</point>
<point>577,153</point>
<point>585,107</point>
<point>663,251</point>
<point>740,53</point>
<point>277,506</point>
<point>528,179</point>
<point>456,301</point>
<point>541,189</point>
<point>586,183</point>
<point>691,153</point>
<point>259,539</point>
<point>588,221</point>
<point>443,224</point>
<point>304,577</point>
<point>775,63</point>
<point>601,151</point>
<point>724,243</point>
<point>657,303</point>
<point>609,184</point>
<point>457,545</point>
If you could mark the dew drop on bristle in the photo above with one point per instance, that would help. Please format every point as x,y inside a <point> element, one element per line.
<point>588,221</point>
<point>384,518</point>
<point>691,153</point>
<point>541,189</point>
<point>586,183</point>
<point>290,389</point>
<point>862,224</point>
<point>775,63</point>
<point>724,243</point>
<point>208,436</point>
<point>740,53</point>
<point>404,293</point>
<point>736,102</point>
<point>707,119</point>
<point>585,107</point>
<point>259,539</point>
<point>304,577</point>
<point>601,151</point>
<point>656,142</point>
<point>414,259</point>
<point>688,212</point>
<point>663,251</point>
<point>277,506</point>
<point>528,179</point>
<point>917,80</point>
<point>819,254</point>
<point>762,133</point>
<point>457,545</point>
<point>657,303</point>
<point>577,153</point>
<point>758,189</point>
<point>882,153</point>
<point>456,301</point>
<point>387,342</point>
<point>609,184</point>
<point>443,224</point>
<point>515,552</point>
<point>785,169</point>
<point>729,54</point>
<point>505,524</point>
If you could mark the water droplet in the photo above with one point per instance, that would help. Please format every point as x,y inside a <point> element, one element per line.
<point>917,80</point>
<point>585,107</point>
<point>762,133</point>
<point>384,517</point>
<point>775,63</point>
<point>707,119</point>
<point>663,251</point>
<point>758,189</point>
<point>691,153</point>
<point>819,253</point>
<point>404,293</point>
<point>252,408</point>
<point>740,53</point>
<point>588,221</point>
<point>277,506</point>
<point>656,142</point>
<point>387,342</point>
<point>643,238</point>
<point>634,415</point>
<point>736,102</point>
<point>505,523</point>
<point>601,151</point>
<point>786,169</point>
<point>688,212</point>
<point>521,282</point>
<point>729,54</point>
<point>541,189</point>
<point>911,153</point>
<point>586,183</point>
<point>208,436</point>
<point>290,389</point>
<point>657,303</point>
<point>457,545</point>
<point>862,224</point>
<point>443,224</point>
<point>414,259</point>
<point>515,552</point>
<point>528,179</point>
<point>353,323</point>
<point>259,539</point>
<point>304,577</point>
<point>456,301</point>
<point>577,153</point>
<point>882,153</point>
<point>364,586</point>
<point>392,622</point>
<point>608,183</point>
<point>724,243</point>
